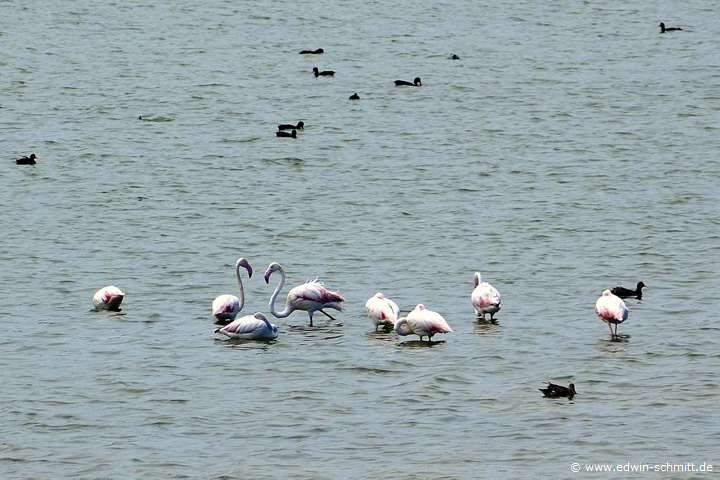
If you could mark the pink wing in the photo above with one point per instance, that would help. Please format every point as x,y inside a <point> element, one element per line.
<point>381,309</point>
<point>225,304</point>
<point>315,291</point>
<point>428,321</point>
<point>246,324</point>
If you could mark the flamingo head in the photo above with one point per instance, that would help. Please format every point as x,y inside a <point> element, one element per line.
<point>420,307</point>
<point>260,316</point>
<point>379,295</point>
<point>242,262</point>
<point>606,293</point>
<point>402,327</point>
<point>273,267</point>
<point>478,279</point>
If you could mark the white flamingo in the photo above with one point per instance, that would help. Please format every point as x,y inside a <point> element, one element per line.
<point>250,327</point>
<point>226,307</point>
<point>382,311</point>
<point>108,298</point>
<point>485,298</point>
<point>611,310</point>
<point>422,322</point>
<point>310,296</point>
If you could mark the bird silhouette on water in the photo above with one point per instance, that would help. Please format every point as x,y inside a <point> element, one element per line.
<point>30,160</point>
<point>623,292</point>
<point>557,391</point>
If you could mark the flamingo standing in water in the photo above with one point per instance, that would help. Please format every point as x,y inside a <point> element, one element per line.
<point>250,327</point>
<point>226,307</point>
<point>611,310</point>
<point>310,296</point>
<point>108,298</point>
<point>422,322</point>
<point>485,298</point>
<point>382,311</point>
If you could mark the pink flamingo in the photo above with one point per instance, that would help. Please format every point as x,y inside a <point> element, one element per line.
<point>382,311</point>
<point>108,298</point>
<point>612,310</point>
<point>422,322</point>
<point>310,296</point>
<point>485,298</point>
<point>250,327</point>
<point>226,307</point>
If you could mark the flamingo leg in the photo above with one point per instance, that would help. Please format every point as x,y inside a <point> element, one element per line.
<point>327,314</point>
<point>310,314</point>
<point>611,330</point>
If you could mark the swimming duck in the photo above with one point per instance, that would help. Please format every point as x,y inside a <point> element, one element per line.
<point>454,57</point>
<point>26,160</point>
<point>293,134</point>
<point>623,292</point>
<point>312,52</point>
<point>286,126</point>
<point>354,96</point>
<point>668,29</point>
<point>556,391</point>
<point>324,73</point>
<point>403,83</point>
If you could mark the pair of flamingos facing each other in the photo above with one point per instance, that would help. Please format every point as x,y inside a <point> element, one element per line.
<point>423,322</point>
<point>311,296</point>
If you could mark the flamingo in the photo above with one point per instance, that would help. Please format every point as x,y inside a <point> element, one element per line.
<point>250,327</point>
<point>422,322</point>
<point>310,296</point>
<point>611,309</point>
<point>485,298</point>
<point>226,307</point>
<point>108,298</point>
<point>382,311</point>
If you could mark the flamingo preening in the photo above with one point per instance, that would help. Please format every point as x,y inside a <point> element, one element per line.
<point>485,298</point>
<point>611,310</point>
<point>382,311</point>
<point>310,296</point>
<point>250,327</point>
<point>226,307</point>
<point>422,322</point>
<point>108,298</point>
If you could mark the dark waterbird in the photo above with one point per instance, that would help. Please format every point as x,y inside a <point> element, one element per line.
<point>26,160</point>
<point>293,134</point>
<point>623,292</point>
<point>324,73</point>
<point>286,126</point>
<point>403,83</point>
<point>454,57</point>
<point>317,51</point>
<point>664,29</point>
<point>354,96</point>
<point>557,391</point>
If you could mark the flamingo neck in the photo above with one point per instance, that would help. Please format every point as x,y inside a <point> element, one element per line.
<point>242,291</point>
<point>288,310</point>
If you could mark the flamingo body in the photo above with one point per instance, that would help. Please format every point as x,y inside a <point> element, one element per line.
<point>226,307</point>
<point>485,298</point>
<point>382,311</point>
<point>108,298</point>
<point>250,327</point>
<point>422,322</point>
<point>310,296</point>
<point>611,310</point>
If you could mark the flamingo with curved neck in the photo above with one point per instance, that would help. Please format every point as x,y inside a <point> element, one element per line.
<point>226,307</point>
<point>310,296</point>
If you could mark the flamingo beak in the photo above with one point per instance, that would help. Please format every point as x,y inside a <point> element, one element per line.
<point>267,276</point>
<point>249,270</point>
